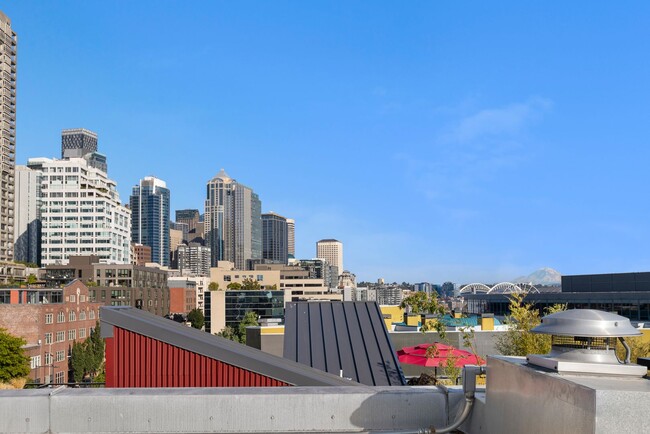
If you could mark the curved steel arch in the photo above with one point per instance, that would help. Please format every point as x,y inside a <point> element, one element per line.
<point>473,288</point>
<point>511,288</point>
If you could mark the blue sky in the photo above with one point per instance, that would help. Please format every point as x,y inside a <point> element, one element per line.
<point>463,141</point>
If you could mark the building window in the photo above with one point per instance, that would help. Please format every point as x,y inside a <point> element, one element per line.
<point>72,334</point>
<point>73,298</point>
<point>82,315</point>
<point>60,356</point>
<point>72,316</point>
<point>260,277</point>
<point>60,336</point>
<point>35,362</point>
<point>59,378</point>
<point>92,314</point>
<point>82,333</point>
<point>48,359</point>
<point>48,338</point>
<point>226,278</point>
<point>49,318</point>
<point>60,317</point>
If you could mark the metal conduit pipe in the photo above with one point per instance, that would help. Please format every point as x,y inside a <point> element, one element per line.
<point>469,389</point>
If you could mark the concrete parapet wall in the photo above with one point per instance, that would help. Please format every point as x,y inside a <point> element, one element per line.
<point>198,410</point>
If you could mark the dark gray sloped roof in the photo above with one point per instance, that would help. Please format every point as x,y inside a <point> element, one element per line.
<point>215,347</point>
<point>348,335</point>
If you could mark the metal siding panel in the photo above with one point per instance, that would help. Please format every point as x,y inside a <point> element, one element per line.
<point>316,344</point>
<point>303,335</point>
<point>346,356</point>
<point>332,358</point>
<point>290,336</point>
<point>362,369</point>
<point>110,361</point>
<point>388,354</point>
<point>371,345</point>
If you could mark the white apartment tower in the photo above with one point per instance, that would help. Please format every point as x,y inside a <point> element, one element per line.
<point>81,213</point>
<point>8,41</point>
<point>331,251</point>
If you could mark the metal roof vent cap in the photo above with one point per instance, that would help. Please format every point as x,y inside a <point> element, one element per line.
<point>584,343</point>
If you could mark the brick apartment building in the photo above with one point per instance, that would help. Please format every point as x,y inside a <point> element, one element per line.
<point>50,320</point>
<point>115,284</point>
<point>182,295</point>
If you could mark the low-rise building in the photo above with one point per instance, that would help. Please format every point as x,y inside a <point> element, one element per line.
<point>50,320</point>
<point>132,285</point>
<point>182,295</point>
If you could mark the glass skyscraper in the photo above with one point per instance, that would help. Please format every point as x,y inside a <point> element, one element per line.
<point>233,223</point>
<point>150,217</point>
<point>275,236</point>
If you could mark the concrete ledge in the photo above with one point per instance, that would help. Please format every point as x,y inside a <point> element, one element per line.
<point>253,410</point>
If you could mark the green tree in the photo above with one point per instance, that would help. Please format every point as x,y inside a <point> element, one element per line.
<point>31,279</point>
<point>249,284</point>
<point>229,333</point>
<point>13,361</point>
<point>238,333</point>
<point>196,318</point>
<point>250,319</point>
<point>518,340</point>
<point>80,360</point>
<point>87,358</point>
<point>234,286</point>
<point>423,303</point>
<point>213,286</point>
<point>91,284</point>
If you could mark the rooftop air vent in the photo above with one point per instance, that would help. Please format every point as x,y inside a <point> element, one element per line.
<point>584,343</point>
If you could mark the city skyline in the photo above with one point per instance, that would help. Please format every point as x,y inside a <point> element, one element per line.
<point>505,153</point>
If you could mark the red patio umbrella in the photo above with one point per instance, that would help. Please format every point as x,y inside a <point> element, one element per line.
<point>417,355</point>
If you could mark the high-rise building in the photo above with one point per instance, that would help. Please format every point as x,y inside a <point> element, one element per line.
<point>274,238</point>
<point>81,213</point>
<point>8,40</point>
<point>190,217</point>
<point>194,258</point>
<point>27,218</point>
<point>82,143</point>
<point>150,217</point>
<point>291,237</point>
<point>332,251</point>
<point>233,223</point>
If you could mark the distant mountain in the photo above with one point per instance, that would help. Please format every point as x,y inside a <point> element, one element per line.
<point>543,276</point>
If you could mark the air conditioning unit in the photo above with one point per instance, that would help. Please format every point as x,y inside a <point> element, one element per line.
<point>584,343</point>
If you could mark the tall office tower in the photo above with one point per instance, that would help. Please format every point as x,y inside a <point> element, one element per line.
<point>233,223</point>
<point>275,237</point>
<point>27,217</point>
<point>8,40</point>
<point>188,216</point>
<point>81,213</point>
<point>82,143</point>
<point>194,258</point>
<point>291,237</point>
<point>150,217</point>
<point>331,251</point>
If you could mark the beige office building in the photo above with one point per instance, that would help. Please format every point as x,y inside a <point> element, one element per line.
<point>331,251</point>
